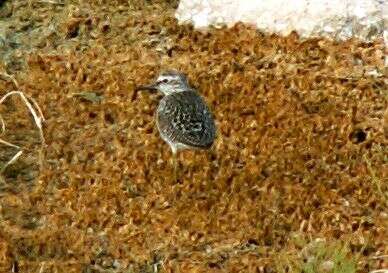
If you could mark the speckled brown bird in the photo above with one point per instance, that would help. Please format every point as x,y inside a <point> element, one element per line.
<point>184,120</point>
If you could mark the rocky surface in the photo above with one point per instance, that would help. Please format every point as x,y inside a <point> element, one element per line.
<point>338,19</point>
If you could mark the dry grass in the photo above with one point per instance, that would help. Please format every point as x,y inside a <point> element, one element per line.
<point>296,121</point>
<point>38,118</point>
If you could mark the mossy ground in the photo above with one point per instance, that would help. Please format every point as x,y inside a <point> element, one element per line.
<point>296,180</point>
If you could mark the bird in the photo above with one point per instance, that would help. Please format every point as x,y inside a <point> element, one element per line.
<point>183,118</point>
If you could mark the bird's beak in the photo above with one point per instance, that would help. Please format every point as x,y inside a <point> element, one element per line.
<point>150,87</point>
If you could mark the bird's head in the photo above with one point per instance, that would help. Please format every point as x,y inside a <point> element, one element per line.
<point>168,82</point>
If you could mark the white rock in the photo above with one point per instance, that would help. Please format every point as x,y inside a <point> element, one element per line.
<point>338,19</point>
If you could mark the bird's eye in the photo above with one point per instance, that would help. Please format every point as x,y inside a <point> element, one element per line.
<point>165,80</point>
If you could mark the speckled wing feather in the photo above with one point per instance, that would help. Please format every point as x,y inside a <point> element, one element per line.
<point>184,118</point>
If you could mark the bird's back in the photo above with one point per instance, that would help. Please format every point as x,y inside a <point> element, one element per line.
<point>184,118</point>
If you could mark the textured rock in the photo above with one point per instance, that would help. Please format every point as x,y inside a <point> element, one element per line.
<point>338,19</point>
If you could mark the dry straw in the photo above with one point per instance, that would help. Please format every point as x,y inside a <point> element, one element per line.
<point>37,115</point>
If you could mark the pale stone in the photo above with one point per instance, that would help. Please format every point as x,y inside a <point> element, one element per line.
<point>337,19</point>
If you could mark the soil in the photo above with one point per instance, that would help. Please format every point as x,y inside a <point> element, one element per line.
<point>300,154</point>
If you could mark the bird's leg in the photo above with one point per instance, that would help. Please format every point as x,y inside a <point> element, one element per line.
<point>175,163</point>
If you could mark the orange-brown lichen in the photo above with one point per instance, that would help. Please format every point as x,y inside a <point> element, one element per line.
<point>300,128</point>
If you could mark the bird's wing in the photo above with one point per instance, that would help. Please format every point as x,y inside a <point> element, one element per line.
<point>185,118</point>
